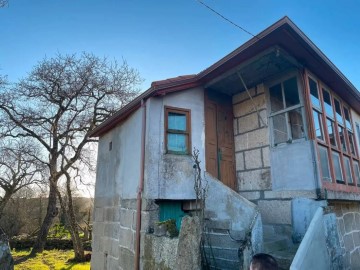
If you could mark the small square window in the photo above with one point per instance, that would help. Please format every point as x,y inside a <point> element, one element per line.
<point>177,129</point>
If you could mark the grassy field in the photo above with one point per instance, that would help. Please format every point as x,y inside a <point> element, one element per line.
<point>48,260</point>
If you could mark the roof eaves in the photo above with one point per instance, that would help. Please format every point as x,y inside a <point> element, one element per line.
<point>158,86</point>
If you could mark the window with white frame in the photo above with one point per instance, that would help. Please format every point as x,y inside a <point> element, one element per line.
<point>286,111</point>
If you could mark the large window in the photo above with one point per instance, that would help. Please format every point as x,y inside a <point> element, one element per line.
<point>338,158</point>
<point>177,129</point>
<point>286,111</point>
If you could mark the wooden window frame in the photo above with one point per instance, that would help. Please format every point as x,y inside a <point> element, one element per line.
<point>187,133</point>
<point>353,158</point>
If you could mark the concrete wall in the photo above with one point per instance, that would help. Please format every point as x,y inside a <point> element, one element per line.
<point>170,176</point>
<point>292,167</point>
<point>348,224</point>
<point>303,211</point>
<point>312,253</point>
<point>117,180</point>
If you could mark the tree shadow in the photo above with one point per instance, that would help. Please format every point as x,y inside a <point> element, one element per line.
<point>22,259</point>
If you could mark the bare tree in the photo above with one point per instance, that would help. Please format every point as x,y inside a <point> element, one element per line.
<point>57,105</point>
<point>19,168</point>
<point>4,3</point>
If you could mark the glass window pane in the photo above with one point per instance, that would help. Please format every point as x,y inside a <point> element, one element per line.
<point>291,92</point>
<point>330,128</point>
<point>337,166</point>
<point>324,163</point>
<point>347,119</point>
<point>296,124</point>
<point>318,126</point>
<point>177,142</point>
<point>327,103</point>
<point>276,98</point>
<point>351,142</point>
<point>358,131</point>
<point>338,112</point>
<point>349,178</point>
<point>280,129</point>
<point>356,171</point>
<point>314,94</point>
<point>177,121</point>
<point>342,138</point>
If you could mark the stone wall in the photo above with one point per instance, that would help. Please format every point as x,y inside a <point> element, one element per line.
<point>114,232</point>
<point>252,147</point>
<point>348,223</point>
<point>255,161</point>
<point>252,152</point>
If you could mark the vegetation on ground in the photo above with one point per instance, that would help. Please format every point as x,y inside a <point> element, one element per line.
<point>49,259</point>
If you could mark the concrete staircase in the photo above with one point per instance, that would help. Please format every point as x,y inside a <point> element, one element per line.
<point>220,249</point>
<point>278,243</point>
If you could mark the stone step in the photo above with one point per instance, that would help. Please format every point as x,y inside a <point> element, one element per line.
<point>284,257</point>
<point>222,264</point>
<point>223,253</point>
<point>219,240</point>
<point>275,243</point>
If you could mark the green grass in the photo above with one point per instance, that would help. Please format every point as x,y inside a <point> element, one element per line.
<point>49,259</point>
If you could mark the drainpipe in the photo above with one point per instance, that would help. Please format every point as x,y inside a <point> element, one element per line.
<point>141,187</point>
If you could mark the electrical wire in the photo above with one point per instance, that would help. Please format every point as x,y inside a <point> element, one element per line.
<point>226,19</point>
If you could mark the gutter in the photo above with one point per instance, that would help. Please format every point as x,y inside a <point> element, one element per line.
<point>141,187</point>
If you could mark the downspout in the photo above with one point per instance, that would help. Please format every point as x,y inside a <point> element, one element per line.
<point>141,187</point>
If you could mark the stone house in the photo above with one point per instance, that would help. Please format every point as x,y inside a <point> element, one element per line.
<point>277,127</point>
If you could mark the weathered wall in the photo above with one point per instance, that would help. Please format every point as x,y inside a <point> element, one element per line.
<point>303,210</point>
<point>348,223</point>
<point>312,252</point>
<point>158,252</point>
<point>170,176</point>
<point>288,163</point>
<point>118,171</point>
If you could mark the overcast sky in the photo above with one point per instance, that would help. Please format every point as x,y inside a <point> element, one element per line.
<point>167,38</point>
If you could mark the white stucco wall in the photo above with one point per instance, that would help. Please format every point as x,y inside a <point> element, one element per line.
<point>118,170</point>
<point>170,176</point>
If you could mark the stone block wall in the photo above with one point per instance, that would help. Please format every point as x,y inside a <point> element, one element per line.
<point>252,141</point>
<point>348,224</point>
<point>253,165</point>
<point>252,153</point>
<point>114,231</point>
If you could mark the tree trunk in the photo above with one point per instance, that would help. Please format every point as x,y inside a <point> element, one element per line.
<point>4,202</point>
<point>71,220</point>
<point>51,213</point>
<point>77,242</point>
